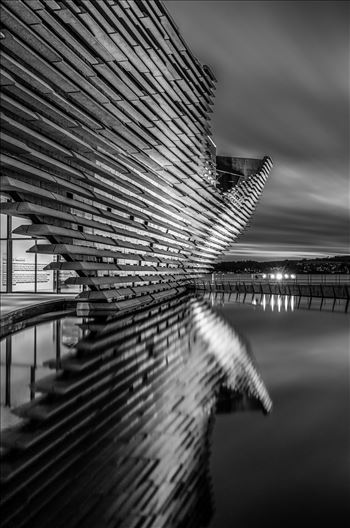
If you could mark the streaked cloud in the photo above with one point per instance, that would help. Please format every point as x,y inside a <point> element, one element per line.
<point>283,85</point>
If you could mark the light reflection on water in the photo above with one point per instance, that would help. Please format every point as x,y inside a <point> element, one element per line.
<point>147,445</point>
<point>120,435</point>
<point>293,468</point>
<point>24,357</point>
<point>279,302</point>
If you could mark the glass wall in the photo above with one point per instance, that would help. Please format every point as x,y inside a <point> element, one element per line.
<point>22,271</point>
<point>3,226</point>
<point>23,266</point>
<point>3,265</point>
<point>45,279</point>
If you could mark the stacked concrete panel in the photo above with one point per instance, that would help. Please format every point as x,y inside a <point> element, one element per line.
<point>106,146</point>
<point>119,435</point>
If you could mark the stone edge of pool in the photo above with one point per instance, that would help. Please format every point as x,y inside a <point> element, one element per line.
<point>20,318</point>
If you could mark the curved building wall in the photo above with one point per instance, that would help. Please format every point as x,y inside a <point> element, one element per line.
<point>105,147</point>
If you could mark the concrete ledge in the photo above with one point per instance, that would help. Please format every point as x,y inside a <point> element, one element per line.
<point>29,315</point>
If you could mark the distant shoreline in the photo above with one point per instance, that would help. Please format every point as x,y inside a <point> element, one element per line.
<point>328,265</point>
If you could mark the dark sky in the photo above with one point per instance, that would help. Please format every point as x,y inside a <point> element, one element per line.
<point>283,90</point>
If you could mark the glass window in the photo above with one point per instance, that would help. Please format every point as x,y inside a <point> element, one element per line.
<point>18,221</point>
<point>23,266</point>
<point>3,225</point>
<point>46,279</point>
<point>63,275</point>
<point>3,265</point>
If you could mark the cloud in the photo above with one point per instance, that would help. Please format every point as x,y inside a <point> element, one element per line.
<point>283,84</point>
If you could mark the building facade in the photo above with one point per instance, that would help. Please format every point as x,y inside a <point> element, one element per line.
<point>108,173</point>
<point>109,189</point>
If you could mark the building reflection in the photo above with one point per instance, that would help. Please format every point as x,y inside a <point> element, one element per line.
<point>279,303</point>
<point>119,433</point>
<point>24,356</point>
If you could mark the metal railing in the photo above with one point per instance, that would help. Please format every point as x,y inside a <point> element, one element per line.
<point>326,286</point>
<point>247,278</point>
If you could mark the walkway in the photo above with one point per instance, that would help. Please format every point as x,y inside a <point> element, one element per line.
<point>11,302</point>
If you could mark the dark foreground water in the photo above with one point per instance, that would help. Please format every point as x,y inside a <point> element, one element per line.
<point>110,422</point>
<point>292,467</point>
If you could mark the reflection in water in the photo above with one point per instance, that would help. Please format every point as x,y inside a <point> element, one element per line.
<point>293,467</point>
<point>24,356</point>
<point>279,303</point>
<point>120,433</point>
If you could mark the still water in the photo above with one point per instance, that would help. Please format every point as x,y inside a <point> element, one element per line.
<point>118,433</point>
<point>292,467</point>
<point>111,422</point>
<point>24,356</point>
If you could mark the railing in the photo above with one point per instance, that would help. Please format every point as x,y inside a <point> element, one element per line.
<point>248,278</point>
<point>326,286</point>
<point>279,303</point>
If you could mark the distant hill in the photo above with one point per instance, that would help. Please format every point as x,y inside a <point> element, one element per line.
<point>338,264</point>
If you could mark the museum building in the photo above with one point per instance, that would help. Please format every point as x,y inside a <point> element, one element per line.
<point>109,183</point>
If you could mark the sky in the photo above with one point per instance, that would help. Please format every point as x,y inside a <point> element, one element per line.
<point>283,90</point>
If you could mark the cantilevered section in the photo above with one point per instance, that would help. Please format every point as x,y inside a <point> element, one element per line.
<point>107,149</point>
<point>230,170</point>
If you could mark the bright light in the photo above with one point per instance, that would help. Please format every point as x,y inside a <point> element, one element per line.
<point>272,275</point>
<point>286,276</point>
<point>279,303</point>
<point>279,276</point>
<point>292,276</point>
<point>264,275</point>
